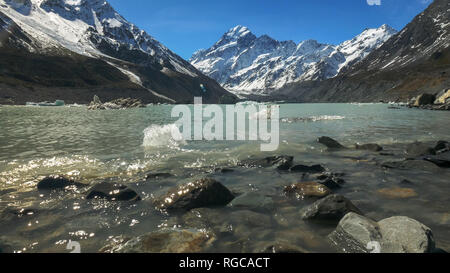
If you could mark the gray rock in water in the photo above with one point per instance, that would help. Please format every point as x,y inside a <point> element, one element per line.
<point>422,165</point>
<point>205,192</point>
<point>57,183</point>
<point>281,162</point>
<point>369,147</point>
<point>253,200</point>
<point>307,169</point>
<point>331,208</point>
<point>405,235</point>
<point>167,241</point>
<point>440,160</point>
<point>358,234</point>
<point>417,149</point>
<point>354,232</point>
<point>112,192</point>
<point>330,143</point>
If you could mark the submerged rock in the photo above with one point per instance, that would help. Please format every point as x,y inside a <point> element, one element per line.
<point>57,183</point>
<point>247,218</point>
<point>307,189</point>
<point>422,165</point>
<point>168,241</point>
<point>205,192</point>
<point>397,193</point>
<point>369,147</point>
<point>156,176</point>
<point>223,170</point>
<point>330,208</point>
<point>308,169</point>
<point>359,234</point>
<point>112,192</point>
<point>281,162</point>
<point>417,149</point>
<point>330,143</point>
<point>253,200</point>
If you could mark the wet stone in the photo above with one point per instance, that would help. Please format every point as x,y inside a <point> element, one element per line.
<point>399,234</point>
<point>282,163</point>
<point>112,192</point>
<point>57,183</point>
<point>205,192</point>
<point>168,241</point>
<point>330,143</point>
<point>331,208</point>
<point>307,189</point>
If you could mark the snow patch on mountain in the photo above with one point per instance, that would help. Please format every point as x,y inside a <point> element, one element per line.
<point>87,27</point>
<point>242,62</point>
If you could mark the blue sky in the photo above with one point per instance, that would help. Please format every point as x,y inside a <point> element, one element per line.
<point>185,26</point>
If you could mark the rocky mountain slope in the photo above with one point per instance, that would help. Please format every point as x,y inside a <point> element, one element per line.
<point>81,47</point>
<point>240,61</point>
<point>412,62</point>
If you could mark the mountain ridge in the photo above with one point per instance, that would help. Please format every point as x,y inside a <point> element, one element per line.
<point>241,61</point>
<point>92,28</point>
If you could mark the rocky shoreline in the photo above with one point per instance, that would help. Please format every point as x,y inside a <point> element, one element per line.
<point>354,231</point>
<point>439,102</point>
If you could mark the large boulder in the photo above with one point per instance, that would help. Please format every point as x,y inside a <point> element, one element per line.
<point>58,183</point>
<point>205,192</point>
<point>112,192</point>
<point>331,208</point>
<point>330,143</point>
<point>424,99</point>
<point>358,234</point>
<point>167,241</point>
<point>405,235</point>
<point>307,189</point>
<point>354,232</point>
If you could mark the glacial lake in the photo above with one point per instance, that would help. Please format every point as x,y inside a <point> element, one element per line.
<point>124,145</point>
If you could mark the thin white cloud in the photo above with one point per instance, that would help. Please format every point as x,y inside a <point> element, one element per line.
<point>374,2</point>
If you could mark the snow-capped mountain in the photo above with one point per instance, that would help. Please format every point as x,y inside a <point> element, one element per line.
<point>93,28</point>
<point>414,61</point>
<point>242,62</point>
